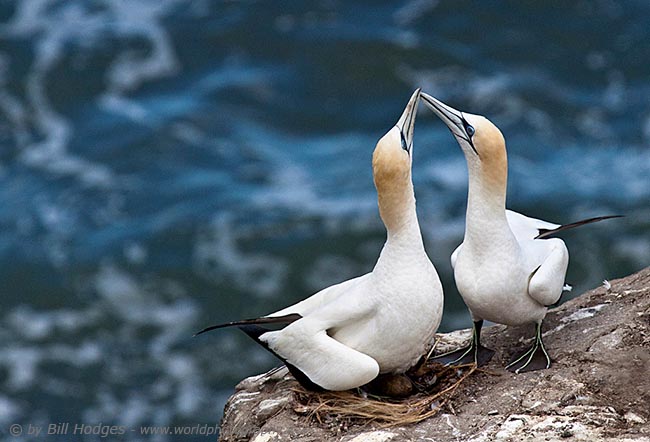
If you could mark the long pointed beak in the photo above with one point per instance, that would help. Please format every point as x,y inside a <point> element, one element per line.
<point>406,122</point>
<point>450,116</point>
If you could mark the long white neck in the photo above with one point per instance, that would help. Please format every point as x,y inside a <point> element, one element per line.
<point>397,210</point>
<point>486,223</point>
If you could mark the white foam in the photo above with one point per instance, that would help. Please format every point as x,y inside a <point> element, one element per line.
<point>217,254</point>
<point>412,10</point>
<point>591,175</point>
<point>141,18</point>
<point>190,397</point>
<point>85,354</point>
<point>128,297</point>
<point>37,325</point>
<point>22,363</point>
<point>51,153</point>
<point>9,411</point>
<point>30,325</point>
<point>450,173</point>
<point>304,176</point>
<point>43,133</point>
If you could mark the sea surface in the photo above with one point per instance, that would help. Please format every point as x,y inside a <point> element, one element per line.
<point>169,164</point>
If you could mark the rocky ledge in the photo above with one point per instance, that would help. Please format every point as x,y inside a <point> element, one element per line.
<point>598,388</point>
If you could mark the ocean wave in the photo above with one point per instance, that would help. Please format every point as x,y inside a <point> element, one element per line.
<point>218,256</point>
<point>43,133</point>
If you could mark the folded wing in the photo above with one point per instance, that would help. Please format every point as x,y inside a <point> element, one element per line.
<point>325,361</point>
<point>525,227</point>
<point>321,298</point>
<point>546,281</point>
<point>307,345</point>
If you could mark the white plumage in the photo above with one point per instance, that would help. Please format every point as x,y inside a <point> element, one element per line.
<point>513,277</point>
<point>381,322</point>
<point>507,269</point>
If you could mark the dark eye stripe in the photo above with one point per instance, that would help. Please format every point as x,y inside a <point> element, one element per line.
<point>403,141</point>
<point>470,131</point>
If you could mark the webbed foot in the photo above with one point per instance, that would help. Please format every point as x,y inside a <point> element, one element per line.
<point>474,353</point>
<point>467,355</point>
<point>535,358</point>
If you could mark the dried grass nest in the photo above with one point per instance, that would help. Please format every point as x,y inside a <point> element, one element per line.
<point>434,387</point>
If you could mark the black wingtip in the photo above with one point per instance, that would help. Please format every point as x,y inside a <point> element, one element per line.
<point>286,319</point>
<point>207,329</point>
<point>548,233</point>
<point>601,218</point>
<point>255,331</point>
<point>213,327</point>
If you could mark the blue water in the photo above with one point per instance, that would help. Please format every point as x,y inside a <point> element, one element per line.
<point>169,164</point>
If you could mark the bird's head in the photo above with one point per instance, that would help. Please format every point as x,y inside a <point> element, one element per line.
<point>480,140</point>
<point>392,158</point>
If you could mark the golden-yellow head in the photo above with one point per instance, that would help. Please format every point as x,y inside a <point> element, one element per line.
<point>480,140</point>
<point>391,160</point>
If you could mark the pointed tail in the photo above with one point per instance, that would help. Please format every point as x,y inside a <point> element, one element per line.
<point>286,319</point>
<point>255,331</point>
<point>548,233</point>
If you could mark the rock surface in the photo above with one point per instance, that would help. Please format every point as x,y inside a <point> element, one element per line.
<point>598,388</point>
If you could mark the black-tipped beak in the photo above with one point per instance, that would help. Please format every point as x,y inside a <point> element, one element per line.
<point>406,122</point>
<point>451,117</point>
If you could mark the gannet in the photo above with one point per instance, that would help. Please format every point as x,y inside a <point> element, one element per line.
<point>345,335</point>
<point>508,270</point>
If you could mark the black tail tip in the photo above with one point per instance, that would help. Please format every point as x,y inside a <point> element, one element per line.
<point>207,329</point>
<point>254,331</point>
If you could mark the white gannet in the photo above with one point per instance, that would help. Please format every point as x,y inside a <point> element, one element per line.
<point>344,336</point>
<point>507,269</point>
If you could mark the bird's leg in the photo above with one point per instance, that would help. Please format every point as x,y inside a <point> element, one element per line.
<point>535,358</point>
<point>473,353</point>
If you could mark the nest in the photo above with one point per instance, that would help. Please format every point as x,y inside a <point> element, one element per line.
<point>434,385</point>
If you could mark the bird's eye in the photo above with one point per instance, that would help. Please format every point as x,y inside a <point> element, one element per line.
<point>404,146</point>
<point>470,130</point>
